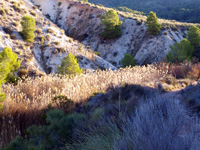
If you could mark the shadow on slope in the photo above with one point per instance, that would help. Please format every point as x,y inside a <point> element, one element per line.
<point>125,118</point>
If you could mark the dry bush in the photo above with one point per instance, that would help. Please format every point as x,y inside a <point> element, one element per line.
<point>26,102</point>
<point>184,70</point>
<point>194,71</point>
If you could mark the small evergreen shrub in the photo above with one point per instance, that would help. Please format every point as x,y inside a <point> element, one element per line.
<point>23,73</point>
<point>128,60</point>
<point>17,8</point>
<point>42,39</point>
<point>8,64</point>
<point>28,25</point>
<point>33,13</point>
<point>12,79</point>
<point>2,12</point>
<point>56,42</point>
<point>194,38</point>
<point>13,36</point>
<point>15,23</point>
<point>152,23</point>
<point>69,66</point>
<point>112,25</point>
<point>49,30</point>
<point>180,51</point>
<point>38,31</point>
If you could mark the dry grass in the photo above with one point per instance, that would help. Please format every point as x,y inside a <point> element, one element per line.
<point>26,102</point>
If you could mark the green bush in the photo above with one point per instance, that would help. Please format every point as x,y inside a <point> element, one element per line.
<point>55,135</point>
<point>128,60</point>
<point>69,66</point>
<point>194,38</point>
<point>28,25</point>
<point>152,23</point>
<point>180,51</point>
<point>112,25</point>
<point>8,64</point>
<point>12,79</point>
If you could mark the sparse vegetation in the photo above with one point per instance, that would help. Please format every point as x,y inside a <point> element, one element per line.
<point>2,12</point>
<point>38,31</point>
<point>13,36</point>
<point>8,63</point>
<point>56,42</point>
<point>49,30</point>
<point>33,13</point>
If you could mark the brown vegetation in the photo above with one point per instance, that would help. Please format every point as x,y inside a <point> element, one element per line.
<point>26,102</point>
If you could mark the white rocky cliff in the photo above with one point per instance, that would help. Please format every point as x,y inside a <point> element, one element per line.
<point>82,22</point>
<point>50,45</point>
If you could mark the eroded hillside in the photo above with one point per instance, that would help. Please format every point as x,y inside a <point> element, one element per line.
<point>50,44</point>
<point>83,22</point>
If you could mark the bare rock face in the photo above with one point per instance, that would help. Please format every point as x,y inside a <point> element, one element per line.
<point>50,45</point>
<point>82,22</point>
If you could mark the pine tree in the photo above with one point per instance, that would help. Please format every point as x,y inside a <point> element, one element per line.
<point>112,25</point>
<point>28,25</point>
<point>180,51</point>
<point>128,60</point>
<point>152,23</point>
<point>69,66</point>
<point>194,37</point>
<point>8,63</point>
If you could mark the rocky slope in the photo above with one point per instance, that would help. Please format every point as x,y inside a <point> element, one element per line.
<point>50,44</point>
<point>82,22</point>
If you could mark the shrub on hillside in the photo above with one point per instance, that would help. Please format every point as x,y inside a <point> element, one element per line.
<point>180,51</point>
<point>28,28</point>
<point>8,63</point>
<point>55,135</point>
<point>194,37</point>
<point>69,66</point>
<point>128,60</point>
<point>152,23</point>
<point>112,25</point>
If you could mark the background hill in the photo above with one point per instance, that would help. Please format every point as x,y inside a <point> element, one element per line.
<point>181,10</point>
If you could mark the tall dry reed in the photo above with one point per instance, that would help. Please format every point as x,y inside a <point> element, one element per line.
<point>26,102</point>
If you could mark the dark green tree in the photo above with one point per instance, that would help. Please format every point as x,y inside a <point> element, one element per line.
<point>112,25</point>
<point>8,63</point>
<point>128,60</point>
<point>152,23</point>
<point>28,25</point>
<point>69,66</point>
<point>194,37</point>
<point>180,51</point>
